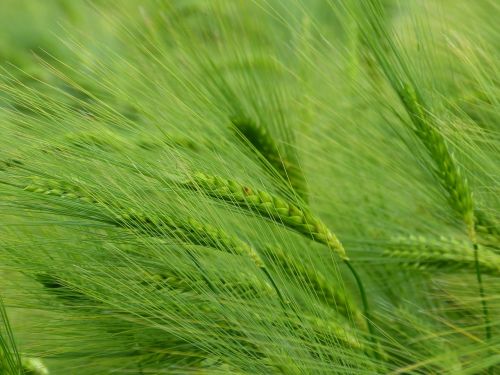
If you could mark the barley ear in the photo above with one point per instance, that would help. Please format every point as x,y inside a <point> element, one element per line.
<point>189,230</point>
<point>449,174</point>
<point>443,253</point>
<point>448,171</point>
<point>262,142</point>
<point>266,205</point>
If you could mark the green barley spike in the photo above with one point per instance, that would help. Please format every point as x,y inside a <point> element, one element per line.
<point>267,205</point>
<point>448,171</point>
<point>342,332</point>
<point>422,252</point>
<point>263,143</point>
<point>247,286</point>
<point>453,181</point>
<point>190,231</point>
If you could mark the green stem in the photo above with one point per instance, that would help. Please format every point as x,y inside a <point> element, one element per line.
<point>482,295</point>
<point>283,302</point>
<point>366,309</point>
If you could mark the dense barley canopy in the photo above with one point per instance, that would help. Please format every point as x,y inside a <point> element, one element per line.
<point>249,187</point>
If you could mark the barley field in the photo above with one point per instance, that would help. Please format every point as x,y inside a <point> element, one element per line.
<point>218,187</point>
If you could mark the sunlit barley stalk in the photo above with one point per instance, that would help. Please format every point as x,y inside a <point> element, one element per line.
<point>29,366</point>
<point>33,366</point>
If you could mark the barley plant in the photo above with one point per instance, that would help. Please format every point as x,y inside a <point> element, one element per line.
<point>249,187</point>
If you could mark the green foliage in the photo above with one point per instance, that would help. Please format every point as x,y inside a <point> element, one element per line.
<point>249,187</point>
